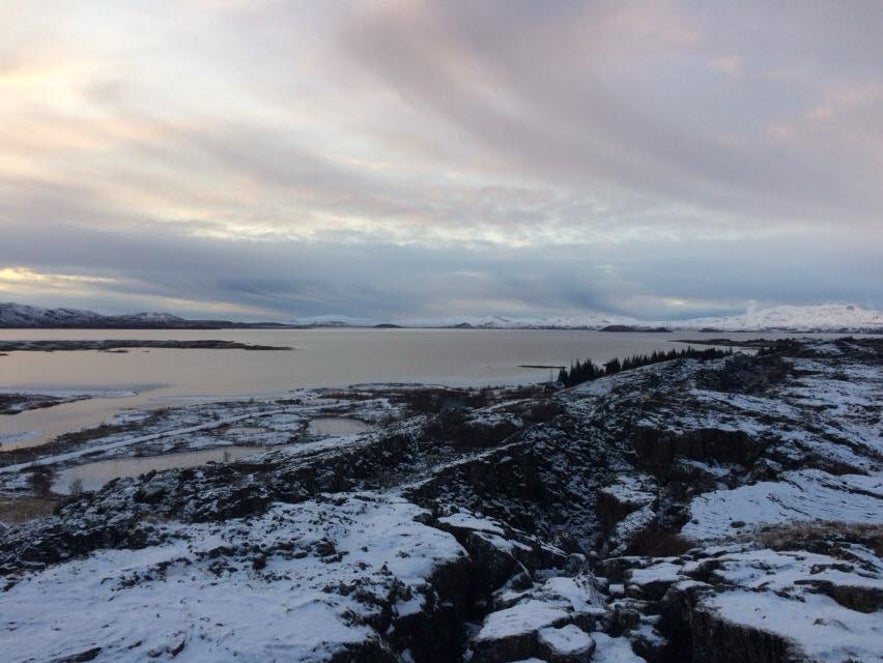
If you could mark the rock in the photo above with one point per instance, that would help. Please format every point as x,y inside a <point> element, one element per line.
<point>657,450</point>
<point>81,657</point>
<point>568,644</point>
<point>613,503</point>
<point>511,647</point>
<point>716,640</point>
<point>854,597</point>
<point>153,491</point>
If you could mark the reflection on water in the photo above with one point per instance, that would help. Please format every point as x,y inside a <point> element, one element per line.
<point>93,476</point>
<point>337,426</point>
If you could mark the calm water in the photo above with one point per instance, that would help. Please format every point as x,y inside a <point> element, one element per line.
<point>321,358</point>
<point>337,426</point>
<point>93,476</point>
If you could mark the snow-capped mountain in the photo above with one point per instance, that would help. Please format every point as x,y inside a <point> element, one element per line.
<point>846,318</point>
<point>821,318</point>
<point>334,321</point>
<point>23,316</point>
<point>20,315</point>
<point>583,321</point>
<point>155,316</point>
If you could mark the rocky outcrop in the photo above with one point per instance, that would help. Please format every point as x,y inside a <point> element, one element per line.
<point>659,450</point>
<point>744,374</point>
<point>716,640</point>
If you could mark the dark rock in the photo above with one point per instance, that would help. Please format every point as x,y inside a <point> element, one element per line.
<point>513,647</point>
<point>568,644</point>
<point>658,449</point>
<point>716,640</point>
<point>88,655</point>
<point>854,597</point>
<point>613,506</point>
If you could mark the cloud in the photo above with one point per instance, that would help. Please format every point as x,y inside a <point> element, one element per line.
<point>416,158</point>
<point>597,99</point>
<point>733,65</point>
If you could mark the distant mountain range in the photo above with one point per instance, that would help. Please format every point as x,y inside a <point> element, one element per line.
<point>33,317</point>
<point>820,318</point>
<point>838,318</point>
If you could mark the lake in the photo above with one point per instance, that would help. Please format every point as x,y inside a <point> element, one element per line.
<point>320,358</point>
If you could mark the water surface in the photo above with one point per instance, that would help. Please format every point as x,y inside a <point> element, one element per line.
<point>321,358</point>
<point>92,476</point>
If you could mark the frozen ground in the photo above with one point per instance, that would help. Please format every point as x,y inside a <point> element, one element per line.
<point>714,511</point>
<point>298,583</point>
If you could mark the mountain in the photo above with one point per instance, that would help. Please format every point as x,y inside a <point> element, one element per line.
<point>821,318</point>
<point>22,316</point>
<point>584,321</point>
<point>846,318</point>
<point>834,318</point>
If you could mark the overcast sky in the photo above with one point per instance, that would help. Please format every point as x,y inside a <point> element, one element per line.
<point>268,159</point>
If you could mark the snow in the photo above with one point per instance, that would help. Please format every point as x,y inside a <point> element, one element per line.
<point>632,490</point>
<point>579,593</point>
<point>662,572</point>
<point>613,650</point>
<point>214,426</point>
<point>134,440</point>
<point>23,436</point>
<point>557,601</point>
<point>20,315</point>
<point>156,316</point>
<point>138,603</point>
<point>782,572</point>
<point>801,496</point>
<point>626,528</point>
<point>784,593</point>
<point>822,629</point>
<point>593,320</point>
<point>468,521</point>
<point>524,617</point>
<point>321,555</point>
<point>569,640</point>
<point>824,317</point>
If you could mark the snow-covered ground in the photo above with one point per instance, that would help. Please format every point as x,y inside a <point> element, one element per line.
<point>299,583</point>
<point>823,608</point>
<point>301,424</point>
<point>804,496</point>
<point>661,514</point>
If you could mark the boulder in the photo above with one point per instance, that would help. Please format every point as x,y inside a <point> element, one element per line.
<point>568,644</point>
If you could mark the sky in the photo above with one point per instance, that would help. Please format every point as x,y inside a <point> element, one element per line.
<point>255,159</point>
